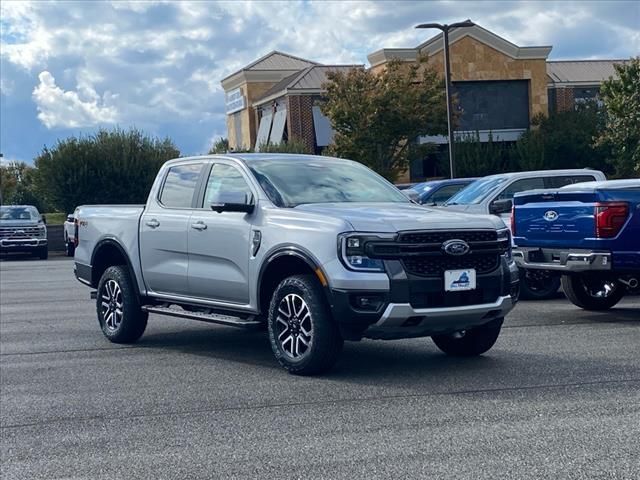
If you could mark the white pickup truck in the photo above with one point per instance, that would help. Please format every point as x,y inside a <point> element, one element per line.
<point>317,249</point>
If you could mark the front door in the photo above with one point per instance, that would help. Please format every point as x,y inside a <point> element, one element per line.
<point>219,243</point>
<point>163,231</point>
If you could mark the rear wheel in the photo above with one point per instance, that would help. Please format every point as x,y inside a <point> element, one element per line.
<point>592,292</point>
<point>470,343</point>
<point>303,335</point>
<point>538,284</point>
<point>119,314</point>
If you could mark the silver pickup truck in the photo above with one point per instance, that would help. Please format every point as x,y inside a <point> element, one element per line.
<point>317,249</point>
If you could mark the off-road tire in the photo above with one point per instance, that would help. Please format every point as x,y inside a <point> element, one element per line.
<point>326,344</point>
<point>133,320</point>
<point>576,291</point>
<point>470,343</point>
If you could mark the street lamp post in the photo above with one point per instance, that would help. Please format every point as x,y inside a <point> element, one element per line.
<point>447,75</point>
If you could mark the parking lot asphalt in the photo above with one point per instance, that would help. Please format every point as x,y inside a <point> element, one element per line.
<point>557,397</point>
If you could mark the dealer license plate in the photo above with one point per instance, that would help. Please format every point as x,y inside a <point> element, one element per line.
<point>459,280</point>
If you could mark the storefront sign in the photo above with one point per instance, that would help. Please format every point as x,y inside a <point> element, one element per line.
<point>234,101</point>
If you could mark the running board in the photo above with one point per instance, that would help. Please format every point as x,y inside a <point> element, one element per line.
<point>204,316</point>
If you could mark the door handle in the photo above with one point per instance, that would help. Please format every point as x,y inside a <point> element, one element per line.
<point>199,226</point>
<point>153,223</point>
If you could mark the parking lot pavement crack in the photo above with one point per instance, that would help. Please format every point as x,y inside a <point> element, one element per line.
<point>338,401</point>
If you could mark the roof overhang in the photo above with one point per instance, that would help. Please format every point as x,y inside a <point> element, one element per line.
<point>254,76</point>
<point>436,44</point>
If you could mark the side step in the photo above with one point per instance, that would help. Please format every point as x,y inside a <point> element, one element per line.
<point>206,316</point>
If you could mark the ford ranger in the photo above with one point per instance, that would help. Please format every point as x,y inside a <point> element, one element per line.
<point>316,249</point>
<point>588,232</point>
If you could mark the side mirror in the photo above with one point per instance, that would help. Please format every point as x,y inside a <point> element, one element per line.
<point>501,206</point>
<point>70,218</point>
<point>233,202</point>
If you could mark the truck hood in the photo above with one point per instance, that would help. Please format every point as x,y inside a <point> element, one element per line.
<point>471,208</point>
<point>396,217</point>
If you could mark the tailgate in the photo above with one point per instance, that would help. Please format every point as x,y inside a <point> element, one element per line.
<point>554,218</point>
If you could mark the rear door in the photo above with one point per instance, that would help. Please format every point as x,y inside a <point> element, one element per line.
<point>163,230</point>
<point>219,243</point>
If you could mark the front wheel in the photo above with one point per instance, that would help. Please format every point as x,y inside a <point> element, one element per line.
<point>538,284</point>
<point>303,335</point>
<point>119,314</point>
<point>470,343</point>
<point>43,253</point>
<point>592,292</point>
<point>71,249</point>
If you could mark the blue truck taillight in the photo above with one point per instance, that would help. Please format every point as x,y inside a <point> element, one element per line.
<point>610,217</point>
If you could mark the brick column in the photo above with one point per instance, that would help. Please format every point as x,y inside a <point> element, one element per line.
<point>564,99</point>
<point>300,119</point>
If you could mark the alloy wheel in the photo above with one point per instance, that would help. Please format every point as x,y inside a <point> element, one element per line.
<point>112,305</point>
<point>294,328</point>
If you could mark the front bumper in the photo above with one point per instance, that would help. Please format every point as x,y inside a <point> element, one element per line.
<point>22,244</point>
<point>418,307</point>
<point>568,261</point>
<point>401,320</point>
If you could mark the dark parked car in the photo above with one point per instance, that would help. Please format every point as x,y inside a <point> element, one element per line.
<point>436,192</point>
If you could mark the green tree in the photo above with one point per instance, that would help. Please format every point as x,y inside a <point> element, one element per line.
<point>18,185</point>
<point>564,140</point>
<point>109,167</point>
<point>621,133</point>
<point>221,145</point>
<point>378,116</point>
<point>475,158</point>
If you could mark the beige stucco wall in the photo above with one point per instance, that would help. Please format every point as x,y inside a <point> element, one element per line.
<point>251,91</point>
<point>473,60</point>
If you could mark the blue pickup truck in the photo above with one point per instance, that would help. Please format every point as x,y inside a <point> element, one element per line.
<point>588,232</point>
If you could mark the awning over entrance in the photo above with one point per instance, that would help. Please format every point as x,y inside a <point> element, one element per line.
<point>263,131</point>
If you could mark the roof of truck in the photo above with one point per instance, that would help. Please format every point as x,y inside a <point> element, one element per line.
<point>608,184</point>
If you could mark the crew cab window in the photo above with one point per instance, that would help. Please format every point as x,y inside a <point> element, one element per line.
<point>557,182</point>
<point>224,179</point>
<point>180,185</point>
<point>520,186</point>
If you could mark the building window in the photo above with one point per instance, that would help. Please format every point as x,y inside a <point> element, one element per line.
<point>493,105</point>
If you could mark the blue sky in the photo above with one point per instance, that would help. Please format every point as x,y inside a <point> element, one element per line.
<point>68,68</point>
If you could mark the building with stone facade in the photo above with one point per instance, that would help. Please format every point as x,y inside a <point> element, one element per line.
<point>501,87</point>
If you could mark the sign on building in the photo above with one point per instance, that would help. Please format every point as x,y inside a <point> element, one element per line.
<point>234,101</point>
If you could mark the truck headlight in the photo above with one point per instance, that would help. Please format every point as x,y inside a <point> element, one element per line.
<point>352,251</point>
<point>504,235</point>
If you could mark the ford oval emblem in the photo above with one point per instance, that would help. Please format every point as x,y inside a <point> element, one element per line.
<point>456,247</point>
<point>550,215</point>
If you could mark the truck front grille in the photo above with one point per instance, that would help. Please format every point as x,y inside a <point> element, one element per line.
<point>433,266</point>
<point>16,233</point>
<point>421,252</point>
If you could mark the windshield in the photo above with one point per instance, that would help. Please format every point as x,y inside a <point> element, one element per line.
<point>293,182</point>
<point>476,191</point>
<point>18,213</point>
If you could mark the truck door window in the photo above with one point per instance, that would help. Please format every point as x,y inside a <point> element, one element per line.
<point>520,186</point>
<point>557,182</point>
<point>180,185</point>
<point>224,179</point>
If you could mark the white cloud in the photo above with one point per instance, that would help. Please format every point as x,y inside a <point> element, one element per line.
<point>72,109</point>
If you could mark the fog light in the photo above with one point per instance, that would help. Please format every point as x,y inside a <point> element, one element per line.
<point>367,302</point>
